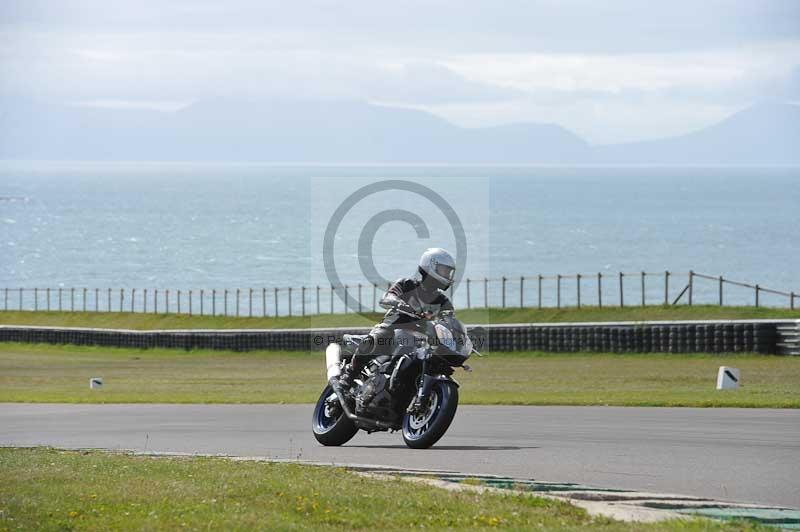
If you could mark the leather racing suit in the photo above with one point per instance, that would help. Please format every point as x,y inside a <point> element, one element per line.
<point>405,298</point>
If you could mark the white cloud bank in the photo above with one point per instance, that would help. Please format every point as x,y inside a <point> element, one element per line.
<point>612,72</point>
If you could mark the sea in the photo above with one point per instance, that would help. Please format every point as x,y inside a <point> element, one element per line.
<point>188,226</point>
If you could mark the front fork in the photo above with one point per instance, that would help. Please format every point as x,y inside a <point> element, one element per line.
<point>423,392</point>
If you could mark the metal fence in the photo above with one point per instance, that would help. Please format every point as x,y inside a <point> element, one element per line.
<point>622,289</point>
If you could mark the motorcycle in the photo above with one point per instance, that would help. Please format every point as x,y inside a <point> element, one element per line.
<point>411,389</point>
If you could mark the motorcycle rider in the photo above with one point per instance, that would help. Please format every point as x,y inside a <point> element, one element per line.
<point>407,301</point>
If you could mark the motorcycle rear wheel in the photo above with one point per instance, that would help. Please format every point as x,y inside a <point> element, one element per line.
<point>331,429</point>
<point>423,430</point>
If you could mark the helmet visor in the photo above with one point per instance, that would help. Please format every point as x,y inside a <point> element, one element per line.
<point>445,271</point>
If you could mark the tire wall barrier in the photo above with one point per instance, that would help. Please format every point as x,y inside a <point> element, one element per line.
<point>638,338</point>
<point>654,337</point>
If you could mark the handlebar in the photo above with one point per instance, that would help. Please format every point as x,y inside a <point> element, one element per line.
<point>410,314</point>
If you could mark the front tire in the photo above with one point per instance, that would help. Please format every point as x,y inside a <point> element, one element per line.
<point>330,425</point>
<point>423,430</point>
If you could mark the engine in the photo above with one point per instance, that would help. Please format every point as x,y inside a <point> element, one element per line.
<point>373,397</point>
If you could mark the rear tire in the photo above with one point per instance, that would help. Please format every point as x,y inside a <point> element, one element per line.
<point>444,398</point>
<point>331,430</point>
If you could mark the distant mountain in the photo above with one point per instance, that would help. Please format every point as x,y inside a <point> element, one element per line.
<point>275,131</point>
<point>340,132</point>
<point>762,134</point>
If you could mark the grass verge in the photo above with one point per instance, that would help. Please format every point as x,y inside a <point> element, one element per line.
<point>45,489</point>
<point>127,320</point>
<point>45,373</point>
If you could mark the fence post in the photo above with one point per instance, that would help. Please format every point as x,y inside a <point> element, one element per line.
<point>250,304</point>
<point>539,292</point>
<point>504,291</point>
<point>179,301</point>
<point>621,290</point>
<point>133,300</point>
<point>332,289</point>
<point>275,294</point>
<point>35,299</point>
<point>202,303</point>
<point>374,295</point>
<point>721,280</point>
<point>5,299</point>
<point>485,292</point>
<point>166,302</point>
<point>225,302</point>
<point>345,298</point>
<point>290,301</point>
<point>791,302</point>
<point>469,303</point>
<point>59,299</point>
<point>521,291</point>
<point>599,290</point>
<point>359,298</point>
<point>121,299</point>
<point>20,298</point>
<point>758,289</point>
<point>558,290</point>
<point>238,293</point>
<point>643,289</point>
<point>155,301</point>
<point>48,299</point>
<point>72,299</point>
<point>109,300</point>
<point>303,302</point>
<point>691,286</point>
<point>318,300</point>
<point>190,303</point>
<point>97,300</point>
<point>666,287</point>
<point>144,301</point>
<point>213,301</point>
<point>84,299</point>
<point>578,284</point>
<point>263,302</point>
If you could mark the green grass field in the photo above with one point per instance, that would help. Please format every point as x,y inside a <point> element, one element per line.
<point>126,320</point>
<point>45,489</point>
<point>44,373</point>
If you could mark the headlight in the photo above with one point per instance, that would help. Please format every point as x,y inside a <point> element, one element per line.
<point>445,337</point>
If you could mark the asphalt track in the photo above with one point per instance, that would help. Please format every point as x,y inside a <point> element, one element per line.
<point>741,455</point>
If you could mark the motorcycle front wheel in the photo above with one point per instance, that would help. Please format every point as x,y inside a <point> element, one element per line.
<point>421,430</point>
<point>330,424</point>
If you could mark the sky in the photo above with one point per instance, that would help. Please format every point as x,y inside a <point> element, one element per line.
<point>611,71</point>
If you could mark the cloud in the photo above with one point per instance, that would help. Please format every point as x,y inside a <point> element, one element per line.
<point>431,83</point>
<point>613,69</point>
<point>789,86</point>
<point>618,73</point>
<point>448,26</point>
<point>190,67</point>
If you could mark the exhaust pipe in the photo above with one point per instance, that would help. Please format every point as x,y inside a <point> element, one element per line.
<point>337,389</point>
<point>333,360</point>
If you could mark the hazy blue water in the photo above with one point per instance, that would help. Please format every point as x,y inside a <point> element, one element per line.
<point>214,226</point>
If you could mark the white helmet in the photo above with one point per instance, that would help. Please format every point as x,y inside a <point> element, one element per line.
<point>439,265</point>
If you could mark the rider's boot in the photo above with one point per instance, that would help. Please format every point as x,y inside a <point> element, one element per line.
<point>351,370</point>
<point>347,376</point>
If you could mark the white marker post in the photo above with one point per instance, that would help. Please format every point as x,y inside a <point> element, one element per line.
<point>727,378</point>
<point>96,383</point>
